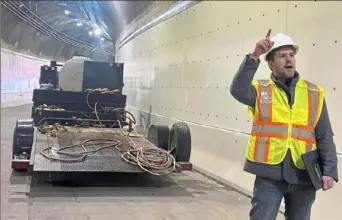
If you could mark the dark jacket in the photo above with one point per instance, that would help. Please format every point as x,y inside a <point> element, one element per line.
<point>243,91</point>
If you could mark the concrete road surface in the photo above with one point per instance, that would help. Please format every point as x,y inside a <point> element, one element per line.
<point>188,196</point>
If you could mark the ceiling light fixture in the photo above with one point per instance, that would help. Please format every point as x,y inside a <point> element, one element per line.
<point>98,31</point>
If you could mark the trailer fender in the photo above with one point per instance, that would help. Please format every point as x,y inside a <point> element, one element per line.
<point>159,136</point>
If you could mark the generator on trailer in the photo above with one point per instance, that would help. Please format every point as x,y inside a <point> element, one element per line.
<point>79,123</point>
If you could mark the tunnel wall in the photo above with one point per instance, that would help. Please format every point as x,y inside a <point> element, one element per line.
<point>19,76</point>
<point>181,69</point>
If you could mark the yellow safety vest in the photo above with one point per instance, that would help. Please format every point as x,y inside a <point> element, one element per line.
<point>277,127</point>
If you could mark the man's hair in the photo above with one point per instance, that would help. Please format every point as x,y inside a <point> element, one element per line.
<point>270,56</point>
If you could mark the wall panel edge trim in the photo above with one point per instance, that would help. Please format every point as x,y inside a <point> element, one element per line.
<point>163,16</point>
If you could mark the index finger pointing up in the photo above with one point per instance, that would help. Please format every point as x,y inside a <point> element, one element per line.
<point>269,33</point>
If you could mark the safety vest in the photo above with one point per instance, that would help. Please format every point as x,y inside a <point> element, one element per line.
<point>277,127</point>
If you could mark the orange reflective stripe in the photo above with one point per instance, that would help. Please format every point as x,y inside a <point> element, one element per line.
<point>273,130</point>
<point>259,106</point>
<point>265,134</point>
<point>307,133</point>
<point>270,123</point>
<point>264,128</point>
<point>270,103</point>
<point>303,127</point>
<point>313,103</point>
<point>269,131</point>
<point>308,146</point>
<point>303,135</point>
<point>256,148</point>
<point>267,150</point>
<point>265,101</point>
<point>261,150</point>
<point>306,139</point>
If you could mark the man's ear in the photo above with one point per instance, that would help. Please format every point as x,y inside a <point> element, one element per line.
<point>270,64</point>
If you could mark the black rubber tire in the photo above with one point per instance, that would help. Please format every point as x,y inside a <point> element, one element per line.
<point>26,121</point>
<point>14,141</point>
<point>24,131</point>
<point>180,139</point>
<point>32,112</point>
<point>159,136</point>
<point>23,136</point>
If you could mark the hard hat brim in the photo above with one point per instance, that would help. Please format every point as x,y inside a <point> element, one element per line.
<point>295,47</point>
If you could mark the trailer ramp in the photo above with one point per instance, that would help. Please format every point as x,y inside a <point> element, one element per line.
<point>105,160</point>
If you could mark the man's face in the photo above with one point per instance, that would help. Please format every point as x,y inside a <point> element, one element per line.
<point>284,63</point>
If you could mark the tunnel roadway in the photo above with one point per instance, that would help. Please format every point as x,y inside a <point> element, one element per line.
<point>189,195</point>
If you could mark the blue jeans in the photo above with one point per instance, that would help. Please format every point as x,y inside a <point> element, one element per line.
<point>268,194</point>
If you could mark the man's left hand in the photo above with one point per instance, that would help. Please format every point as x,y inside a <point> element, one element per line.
<point>328,182</point>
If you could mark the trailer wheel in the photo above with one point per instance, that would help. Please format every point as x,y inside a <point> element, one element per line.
<point>159,136</point>
<point>23,136</point>
<point>180,142</point>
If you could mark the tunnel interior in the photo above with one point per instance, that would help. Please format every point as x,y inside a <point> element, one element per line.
<point>59,30</point>
<point>180,69</point>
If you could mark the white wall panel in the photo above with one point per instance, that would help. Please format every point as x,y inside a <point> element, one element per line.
<point>317,29</point>
<point>19,76</point>
<point>181,69</point>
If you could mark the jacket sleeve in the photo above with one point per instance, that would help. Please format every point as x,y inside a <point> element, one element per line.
<point>241,87</point>
<point>325,144</point>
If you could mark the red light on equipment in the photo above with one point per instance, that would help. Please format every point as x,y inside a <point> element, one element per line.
<point>20,165</point>
<point>186,166</point>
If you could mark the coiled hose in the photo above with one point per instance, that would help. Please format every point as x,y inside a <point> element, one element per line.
<point>153,160</point>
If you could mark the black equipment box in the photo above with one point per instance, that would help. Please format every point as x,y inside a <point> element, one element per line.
<point>48,75</point>
<point>103,75</point>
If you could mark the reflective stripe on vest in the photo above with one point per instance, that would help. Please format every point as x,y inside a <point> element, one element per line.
<point>313,103</point>
<point>263,129</point>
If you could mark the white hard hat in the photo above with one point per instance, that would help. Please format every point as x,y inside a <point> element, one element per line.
<point>281,40</point>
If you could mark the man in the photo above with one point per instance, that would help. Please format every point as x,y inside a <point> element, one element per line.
<point>290,117</point>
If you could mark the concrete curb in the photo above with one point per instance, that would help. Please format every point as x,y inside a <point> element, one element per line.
<point>15,104</point>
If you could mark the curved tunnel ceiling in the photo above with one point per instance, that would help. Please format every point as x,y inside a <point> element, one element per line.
<point>61,29</point>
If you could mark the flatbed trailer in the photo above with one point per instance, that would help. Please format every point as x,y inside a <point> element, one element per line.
<point>85,129</point>
<point>63,151</point>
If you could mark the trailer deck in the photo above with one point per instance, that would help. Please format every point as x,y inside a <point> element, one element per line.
<point>105,160</point>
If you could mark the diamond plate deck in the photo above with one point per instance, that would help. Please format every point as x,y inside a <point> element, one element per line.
<point>105,160</point>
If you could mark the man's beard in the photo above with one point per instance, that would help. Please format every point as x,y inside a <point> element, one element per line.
<point>287,73</point>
